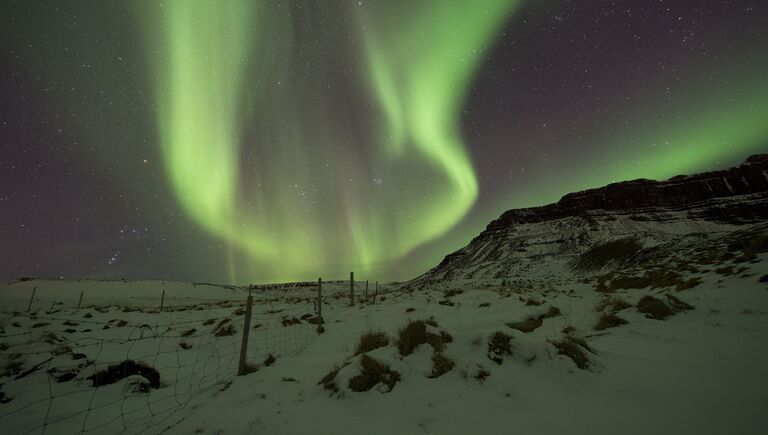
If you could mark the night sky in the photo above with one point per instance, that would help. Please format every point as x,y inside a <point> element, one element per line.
<point>255,141</point>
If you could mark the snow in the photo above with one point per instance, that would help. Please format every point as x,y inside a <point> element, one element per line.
<point>700,372</point>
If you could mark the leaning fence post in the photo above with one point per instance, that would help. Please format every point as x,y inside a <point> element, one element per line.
<point>351,289</point>
<point>32,298</point>
<point>241,369</point>
<point>80,301</point>
<point>162,300</point>
<point>376,292</point>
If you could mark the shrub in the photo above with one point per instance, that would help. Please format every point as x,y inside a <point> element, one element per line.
<point>609,320</point>
<point>373,373</point>
<point>499,345</point>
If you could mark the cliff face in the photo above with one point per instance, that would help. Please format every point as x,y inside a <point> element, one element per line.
<point>546,240</point>
<point>678,192</point>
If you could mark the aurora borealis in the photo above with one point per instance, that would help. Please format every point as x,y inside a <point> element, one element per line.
<point>254,141</point>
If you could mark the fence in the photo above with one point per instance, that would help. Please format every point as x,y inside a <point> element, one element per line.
<point>66,370</point>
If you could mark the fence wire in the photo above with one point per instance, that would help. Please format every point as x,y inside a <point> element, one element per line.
<point>58,385</point>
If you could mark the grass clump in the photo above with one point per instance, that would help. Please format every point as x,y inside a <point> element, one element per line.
<point>526,326</point>
<point>654,308</point>
<point>614,304</point>
<point>373,373</point>
<point>415,334</point>
<point>370,341</point>
<point>451,293</point>
<point>329,380</point>
<point>499,345</point>
<point>609,320</point>
<point>225,328</point>
<point>677,304</point>
<point>440,365</point>
<point>573,348</point>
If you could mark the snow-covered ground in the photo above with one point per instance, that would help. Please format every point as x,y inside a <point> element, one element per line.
<point>700,371</point>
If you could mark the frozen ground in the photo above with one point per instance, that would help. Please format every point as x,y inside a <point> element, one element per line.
<point>700,371</point>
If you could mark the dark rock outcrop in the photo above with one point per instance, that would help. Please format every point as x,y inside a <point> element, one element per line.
<point>677,192</point>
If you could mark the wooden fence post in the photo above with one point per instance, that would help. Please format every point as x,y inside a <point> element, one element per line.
<point>320,300</point>
<point>162,300</point>
<point>366,290</point>
<point>80,301</point>
<point>32,298</point>
<point>242,367</point>
<point>351,289</point>
<point>376,292</point>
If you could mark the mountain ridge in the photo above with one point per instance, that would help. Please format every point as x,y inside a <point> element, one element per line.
<point>683,210</point>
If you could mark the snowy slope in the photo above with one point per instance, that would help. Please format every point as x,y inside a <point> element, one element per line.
<point>699,371</point>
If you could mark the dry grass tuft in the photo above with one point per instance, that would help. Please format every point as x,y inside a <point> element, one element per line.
<point>654,308</point>
<point>373,373</point>
<point>370,341</point>
<point>609,320</point>
<point>573,348</point>
<point>225,328</point>
<point>677,304</point>
<point>415,333</point>
<point>440,365</point>
<point>614,304</point>
<point>499,345</point>
<point>526,326</point>
<point>329,380</point>
<point>552,312</point>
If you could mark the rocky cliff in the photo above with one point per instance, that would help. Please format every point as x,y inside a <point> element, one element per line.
<point>652,214</point>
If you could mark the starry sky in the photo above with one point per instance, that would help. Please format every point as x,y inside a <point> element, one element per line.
<point>256,141</point>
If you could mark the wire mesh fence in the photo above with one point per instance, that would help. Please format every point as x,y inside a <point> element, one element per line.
<point>67,371</point>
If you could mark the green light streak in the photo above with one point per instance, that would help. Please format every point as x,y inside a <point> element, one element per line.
<point>706,127</point>
<point>420,68</point>
<point>213,59</point>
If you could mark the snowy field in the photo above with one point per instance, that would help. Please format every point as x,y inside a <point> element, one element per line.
<point>520,358</point>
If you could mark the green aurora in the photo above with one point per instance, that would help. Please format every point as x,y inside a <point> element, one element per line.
<point>293,220</point>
